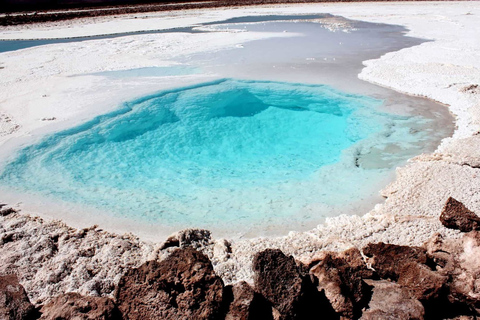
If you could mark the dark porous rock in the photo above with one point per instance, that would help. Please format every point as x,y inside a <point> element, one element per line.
<point>424,283</point>
<point>6,211</point>
<point>14,302</point>
<point>341,276</point>
<point>75,306</point>
<point>246,304</point>
<point>456,216</point>
<point>388,259</point>
<point>194,238</point>
<point>291,293</point>
<point>391,301</point>
<point>183,286</point>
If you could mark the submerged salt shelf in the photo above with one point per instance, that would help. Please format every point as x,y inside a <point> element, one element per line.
<point>241,156</point>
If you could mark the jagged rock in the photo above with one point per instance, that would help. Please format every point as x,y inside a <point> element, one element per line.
<point>465,283</point>
<point>195,238</point>
<point>278,279</point>
<point>75,306</point>
<point>341,276</point>
<point>14,302</point>
<point>246,304</point>
<point>456,216</point>
<point>459,260</point>
<point>183,286</point>
<point>391,301</point>
<point>389,259</point>
<point>421,281</point>
<point>292,294</point>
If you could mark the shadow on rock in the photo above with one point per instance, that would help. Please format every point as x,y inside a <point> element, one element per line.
<point>287,288</point>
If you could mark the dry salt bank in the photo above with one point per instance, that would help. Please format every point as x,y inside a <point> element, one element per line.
<point>273,127</point>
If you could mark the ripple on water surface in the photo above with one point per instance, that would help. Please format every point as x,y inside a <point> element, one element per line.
<point>227,153</point>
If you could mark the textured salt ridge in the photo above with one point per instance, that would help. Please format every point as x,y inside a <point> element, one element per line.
<point>409,215</point>
<point>51,257</point>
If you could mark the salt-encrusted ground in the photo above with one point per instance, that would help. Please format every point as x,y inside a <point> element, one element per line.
<point>35,86</point>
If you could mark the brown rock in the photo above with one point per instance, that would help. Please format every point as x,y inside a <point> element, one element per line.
<point>183,286</point>
<point>247,304</point>
<point>421,281</point>
<point>459,261</point>
<point>278,279</point>
<point>341,276</point>
<point>391,301</point>
<point>14,302</point>
<point>456,216</point>
<point>389,259</point>
<point>292,294</point>
<point>75,306</point>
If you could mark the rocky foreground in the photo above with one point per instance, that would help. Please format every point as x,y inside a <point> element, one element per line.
<point>439,280</point>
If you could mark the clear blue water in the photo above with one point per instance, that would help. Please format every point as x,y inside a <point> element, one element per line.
<point>219,152</point>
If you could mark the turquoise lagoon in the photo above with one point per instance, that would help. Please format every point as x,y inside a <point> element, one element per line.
<point>225,153</point>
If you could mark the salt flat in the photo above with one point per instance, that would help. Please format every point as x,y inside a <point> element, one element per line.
<point>37,84</point>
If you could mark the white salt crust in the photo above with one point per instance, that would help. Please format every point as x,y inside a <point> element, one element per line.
<point>35,85</point>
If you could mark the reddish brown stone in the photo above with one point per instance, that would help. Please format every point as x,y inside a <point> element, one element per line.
<point>183,286</point>
<point>391,301</point>
<point>389,259</point>
<point>422,282</point>
<point>456,216</point>
<point>76,306</point>
<point>246,304</point>
<point>14,302</point>
<point>341,276</point>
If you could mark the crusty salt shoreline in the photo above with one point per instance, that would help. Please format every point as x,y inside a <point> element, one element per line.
<point>445,70</point>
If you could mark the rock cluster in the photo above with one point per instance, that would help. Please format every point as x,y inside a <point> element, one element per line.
<point>381,281</point>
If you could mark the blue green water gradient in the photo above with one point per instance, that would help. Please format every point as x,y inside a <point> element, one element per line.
<point>226,152</point>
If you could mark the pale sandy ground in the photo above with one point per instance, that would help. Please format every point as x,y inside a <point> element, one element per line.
<point>35,85</point>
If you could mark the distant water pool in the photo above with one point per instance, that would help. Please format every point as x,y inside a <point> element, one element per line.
<point>229,152</point>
